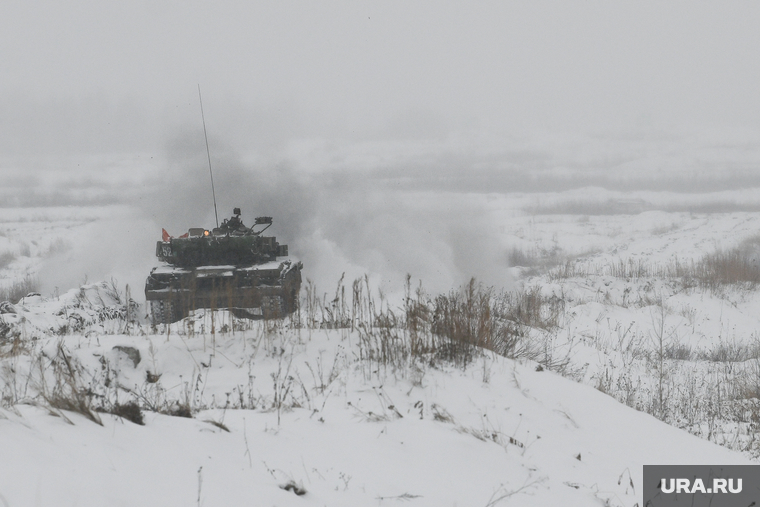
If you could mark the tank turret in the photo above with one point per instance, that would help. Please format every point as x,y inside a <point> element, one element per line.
<point>232,267</point>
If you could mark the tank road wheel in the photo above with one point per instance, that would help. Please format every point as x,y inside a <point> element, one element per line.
<point>272,307</point>
<point>157,312</point>
<point>163,312</point>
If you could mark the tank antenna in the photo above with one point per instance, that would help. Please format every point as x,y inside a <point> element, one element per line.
<point>208,153</point>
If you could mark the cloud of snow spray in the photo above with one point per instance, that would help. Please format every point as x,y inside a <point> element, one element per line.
<point>334,222</point>
<point>119,245</point>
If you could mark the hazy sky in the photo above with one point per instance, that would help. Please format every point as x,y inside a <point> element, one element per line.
<point>87,75</point>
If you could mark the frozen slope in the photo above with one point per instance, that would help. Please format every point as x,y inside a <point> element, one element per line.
<point>347,431</point>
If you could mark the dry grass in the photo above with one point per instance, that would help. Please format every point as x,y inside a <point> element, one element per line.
<point>519,257</point>
<point>739,267</point>
<point>736,266</point>
<point>17,290</point>
<point>535,262</point>
<point>729,352</point>
<point>129,411</point>
<point>454,327</point>
<point>67,392</point>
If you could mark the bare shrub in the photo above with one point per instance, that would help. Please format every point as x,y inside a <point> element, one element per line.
<point>731,267</point>
<point>475,316</point>
<point>530,308</point>
<point>129,411</point>
<point>518,257</point>
<point>178,410</point>
<point>730,352</point>
<point>568,269</point>
<point>679,351</point>
<point>751,381</point>
<point>19,289</point>
<point>464,318</point>
<point>535,261</point>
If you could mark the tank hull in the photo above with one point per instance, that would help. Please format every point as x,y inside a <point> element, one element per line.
<point>267,290</point>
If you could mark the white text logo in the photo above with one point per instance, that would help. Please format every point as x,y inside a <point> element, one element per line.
<point>686,486</point>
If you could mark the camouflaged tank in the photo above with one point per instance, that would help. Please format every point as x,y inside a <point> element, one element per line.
<point>230,267</point>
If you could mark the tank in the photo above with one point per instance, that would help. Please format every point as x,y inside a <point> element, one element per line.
<point>231,267</point>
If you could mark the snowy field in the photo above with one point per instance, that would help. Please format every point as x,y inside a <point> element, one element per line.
<point>623,348</point>
<point>530,237</point>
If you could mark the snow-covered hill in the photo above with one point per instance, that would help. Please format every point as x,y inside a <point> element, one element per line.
<point>278,411</point>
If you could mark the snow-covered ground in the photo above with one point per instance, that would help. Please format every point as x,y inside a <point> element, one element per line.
<point>299,407</point>
<point>279,409</point>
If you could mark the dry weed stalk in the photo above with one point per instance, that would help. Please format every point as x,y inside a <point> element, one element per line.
<point>67,391</point>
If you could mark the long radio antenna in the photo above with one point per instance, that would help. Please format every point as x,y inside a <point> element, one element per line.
<point>208,153</point>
